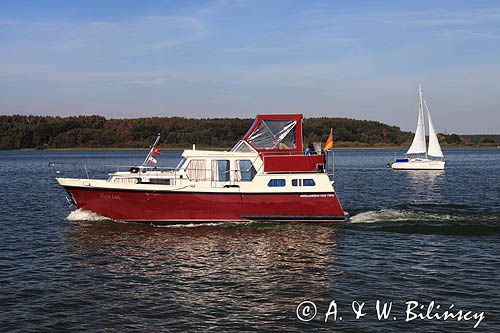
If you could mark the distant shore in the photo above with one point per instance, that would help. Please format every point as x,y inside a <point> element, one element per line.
<point>97,132</point>
<point>340,147</point>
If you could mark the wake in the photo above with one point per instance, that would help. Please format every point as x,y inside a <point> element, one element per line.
<point>400,215</point>
<point>409,215</point>
<point>85,215</point>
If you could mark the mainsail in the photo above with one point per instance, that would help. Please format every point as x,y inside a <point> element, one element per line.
<point>418,144</point>
<point>434,147</point>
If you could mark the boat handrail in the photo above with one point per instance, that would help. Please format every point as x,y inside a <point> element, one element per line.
<point>52,164</point>
<point>59,168</point>
<point>88,171</point>
<point>289,153</point>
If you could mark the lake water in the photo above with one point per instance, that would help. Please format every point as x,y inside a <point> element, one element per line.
<point>414,236</point>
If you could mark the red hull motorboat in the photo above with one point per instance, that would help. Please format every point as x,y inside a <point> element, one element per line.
<point>265,177</point>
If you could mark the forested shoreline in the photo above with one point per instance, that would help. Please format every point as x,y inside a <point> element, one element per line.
<point>47,132</point>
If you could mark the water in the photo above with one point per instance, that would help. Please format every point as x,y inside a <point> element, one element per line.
<point>414,236</point>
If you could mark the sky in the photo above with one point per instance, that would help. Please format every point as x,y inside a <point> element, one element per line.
<point>356,59</point>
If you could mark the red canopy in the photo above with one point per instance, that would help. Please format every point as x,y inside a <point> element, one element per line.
<point>276,133</point>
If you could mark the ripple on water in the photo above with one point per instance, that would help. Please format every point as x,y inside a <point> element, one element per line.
<point>412,236</point>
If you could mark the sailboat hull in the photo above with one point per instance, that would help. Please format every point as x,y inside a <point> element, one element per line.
<point>418,164</point>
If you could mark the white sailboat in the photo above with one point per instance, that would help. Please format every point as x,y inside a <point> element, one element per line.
<point>418,157</point>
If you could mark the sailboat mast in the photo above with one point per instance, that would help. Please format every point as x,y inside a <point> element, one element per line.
<point>418,145</point>
<point>421,110</point>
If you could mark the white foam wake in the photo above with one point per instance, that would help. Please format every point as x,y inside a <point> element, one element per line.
<point>394,215</point>
<point>85,215</point>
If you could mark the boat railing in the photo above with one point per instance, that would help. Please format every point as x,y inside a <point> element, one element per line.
<point>120,172</point>
<point>290,153</point>
<point>330,164</point>
<point>103,171</point>
<point>293,162</point>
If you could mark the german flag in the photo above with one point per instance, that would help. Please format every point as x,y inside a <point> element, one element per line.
<point>329,141</point>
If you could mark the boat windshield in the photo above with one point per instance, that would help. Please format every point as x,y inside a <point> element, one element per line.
<point>242,147</point>
<point>274,134</point>
<point>180,164</point>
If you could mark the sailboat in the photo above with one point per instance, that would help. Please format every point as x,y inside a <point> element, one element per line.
<point>418,157</point>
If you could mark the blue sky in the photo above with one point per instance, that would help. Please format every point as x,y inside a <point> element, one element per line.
<point>359,59</point>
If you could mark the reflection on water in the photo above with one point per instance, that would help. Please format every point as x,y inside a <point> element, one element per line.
<point>244,265</point>
<point>425,185</point>
<point>421,178</point>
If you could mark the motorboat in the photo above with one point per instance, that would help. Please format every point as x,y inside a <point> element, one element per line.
<point>266,176</point>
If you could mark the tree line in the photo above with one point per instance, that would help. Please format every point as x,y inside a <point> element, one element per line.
<point>41,132</point>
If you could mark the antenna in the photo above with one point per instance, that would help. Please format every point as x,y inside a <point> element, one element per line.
<point>151,149</point>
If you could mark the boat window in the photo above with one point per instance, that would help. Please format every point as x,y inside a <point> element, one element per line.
<point>159,181</point>
<point>180,164</point>
<point>276,183</point>
<point>308,182</point>
<point>126,180</point>
<point>220,170</point>
<point>274,134</point>
<point>242,147</point>
<point>196,170</point>
<point>303,182</point>
<point>245,171</point>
